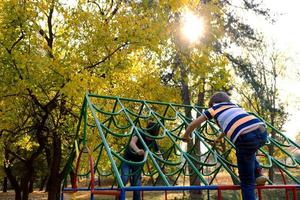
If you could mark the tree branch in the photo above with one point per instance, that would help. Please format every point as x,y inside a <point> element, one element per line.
<point>15,43</point>
<point>15,155</point>
<point>106,57</point>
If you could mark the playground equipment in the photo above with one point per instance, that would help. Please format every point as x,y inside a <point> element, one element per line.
<point>107,124</point>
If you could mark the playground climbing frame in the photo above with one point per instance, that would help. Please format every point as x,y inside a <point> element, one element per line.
<point>107,123</point>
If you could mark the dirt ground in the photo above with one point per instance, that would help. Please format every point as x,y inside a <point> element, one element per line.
<point>37,195</point>
<point>226,195</point>
<point>222,179</point>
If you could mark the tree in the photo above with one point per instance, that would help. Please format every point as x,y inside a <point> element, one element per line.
<point>50,53</point>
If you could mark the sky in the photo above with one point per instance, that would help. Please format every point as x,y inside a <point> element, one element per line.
<point>285,32</point>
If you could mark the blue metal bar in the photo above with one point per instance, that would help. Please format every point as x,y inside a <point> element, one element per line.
<point>161,188</point>
<point>92,196</point>
<point>123,194</point>
<point>171,188</point>
<point>208,195</point>
<point>174,188</point>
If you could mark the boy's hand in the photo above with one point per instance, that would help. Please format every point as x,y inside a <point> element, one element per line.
<point>218,140</point>
<point>141,152</point>
<point>186,138</point>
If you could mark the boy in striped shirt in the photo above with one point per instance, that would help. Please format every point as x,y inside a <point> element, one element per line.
<point>246,131</point>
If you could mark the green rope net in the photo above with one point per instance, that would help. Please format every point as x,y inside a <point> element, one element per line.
<point>107,124</point>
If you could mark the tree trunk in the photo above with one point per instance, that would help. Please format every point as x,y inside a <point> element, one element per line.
<point>194,179</point>
<point>31,185</point>
<point>54,181</point>
<point>26,181</point>
<point>200,97</point>
<point>14,183</point>
<point>48,158</point>
<point>271,153</point>
<point>24,188</point>
<point>12,179</point>
<point>4,189</point>
<point>185,95</point>
<point>271,147</point>
<point>43,182</point>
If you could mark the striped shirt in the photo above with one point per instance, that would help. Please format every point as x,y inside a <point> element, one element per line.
<point>232,119</point>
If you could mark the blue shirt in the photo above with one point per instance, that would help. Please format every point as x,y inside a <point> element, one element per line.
<point>232,119</point>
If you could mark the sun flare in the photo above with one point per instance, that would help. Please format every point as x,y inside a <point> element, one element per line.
<point>192,26</point>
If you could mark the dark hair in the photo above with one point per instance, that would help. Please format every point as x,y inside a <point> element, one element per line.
<point>218,97</point>
<point>153,128</point>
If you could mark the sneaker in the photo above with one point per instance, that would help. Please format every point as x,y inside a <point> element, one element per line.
<point>261,180</point>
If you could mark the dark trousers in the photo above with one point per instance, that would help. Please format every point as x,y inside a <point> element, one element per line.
<point>246,147</point>
<point>133,173</point>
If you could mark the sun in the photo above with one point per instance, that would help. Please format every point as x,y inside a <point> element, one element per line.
<point>192,26</point>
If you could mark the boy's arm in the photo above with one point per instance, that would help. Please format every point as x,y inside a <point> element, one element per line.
<point>156,148</point>
<point>194,124</point>
<point>158,152</point>
<point>133,145</point>
<point>160,155</point>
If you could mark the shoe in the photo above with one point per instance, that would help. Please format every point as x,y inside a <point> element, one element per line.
<point>261,180</point>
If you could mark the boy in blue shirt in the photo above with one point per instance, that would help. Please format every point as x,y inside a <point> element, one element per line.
<point>246,131</point>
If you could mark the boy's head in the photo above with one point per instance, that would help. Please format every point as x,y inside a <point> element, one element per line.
<point>153,128</point>
<point>218,97</point>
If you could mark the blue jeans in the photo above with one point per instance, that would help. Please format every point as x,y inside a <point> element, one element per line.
<point>246,147</point>
<point>134,173</point>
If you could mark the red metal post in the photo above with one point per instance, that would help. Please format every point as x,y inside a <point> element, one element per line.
<point>284,181</point>
<point>259,194</point>
<point>219,194</point>
<point>294,194</point>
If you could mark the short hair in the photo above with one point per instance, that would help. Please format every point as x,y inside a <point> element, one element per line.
<point>153,128</point>
<point>218,97</point>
